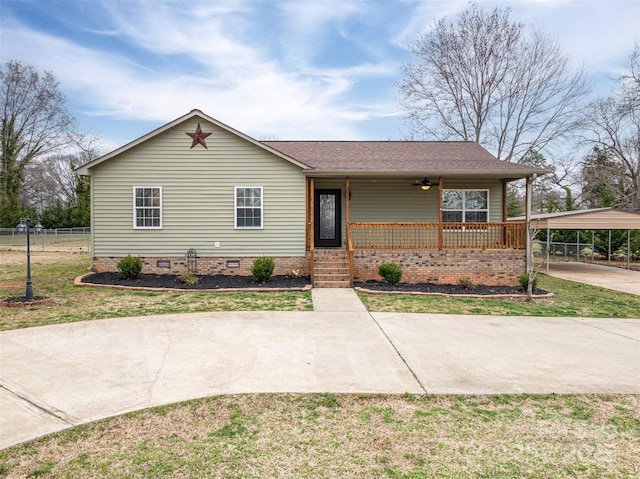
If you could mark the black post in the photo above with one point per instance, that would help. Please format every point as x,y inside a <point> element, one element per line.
<point>29,291</point>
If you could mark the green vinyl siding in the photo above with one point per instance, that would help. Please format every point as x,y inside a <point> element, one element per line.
<point>198,197</point>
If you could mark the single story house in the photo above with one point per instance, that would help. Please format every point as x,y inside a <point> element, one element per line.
<point>333,210</point>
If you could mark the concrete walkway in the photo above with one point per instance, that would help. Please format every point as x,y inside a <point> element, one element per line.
<point>54,377</point>
<point>616,279</point>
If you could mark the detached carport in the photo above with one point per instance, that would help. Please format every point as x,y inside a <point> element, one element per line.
<point>587,220</point>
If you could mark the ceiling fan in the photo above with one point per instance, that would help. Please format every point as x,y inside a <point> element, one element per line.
<point>423,184</point>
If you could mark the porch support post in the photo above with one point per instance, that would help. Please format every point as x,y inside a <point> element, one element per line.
<point>504,201</point>
<point>505,213</point>
<point>311,227</point>
<point>530,180</point>
<point>440,233</point>
<point>347,194</point>
<point>347,207</point>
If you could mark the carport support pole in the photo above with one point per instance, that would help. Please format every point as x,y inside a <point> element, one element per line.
<point>549,246</point>
<point>628,249</point>
<point>578,247</point>
<point>609,253</point>
<point>593,245</point>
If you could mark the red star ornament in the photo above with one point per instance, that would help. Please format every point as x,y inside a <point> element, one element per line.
<point>198,137</point>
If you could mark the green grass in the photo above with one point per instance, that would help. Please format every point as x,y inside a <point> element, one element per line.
<point>571,299</point>
<point>53,275</point>
<point>349,436</point>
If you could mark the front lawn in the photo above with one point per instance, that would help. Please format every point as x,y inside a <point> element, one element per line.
<point>349,436</point>
<point>53,274</point>
<point>571,299</point>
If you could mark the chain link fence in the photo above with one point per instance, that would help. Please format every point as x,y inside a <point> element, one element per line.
<point>585,253</point>
<point>58,239</point>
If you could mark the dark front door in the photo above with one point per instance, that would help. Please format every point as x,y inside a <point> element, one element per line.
<point>328,219</point>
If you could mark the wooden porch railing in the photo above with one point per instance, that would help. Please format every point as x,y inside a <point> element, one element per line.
<point>425,235</point>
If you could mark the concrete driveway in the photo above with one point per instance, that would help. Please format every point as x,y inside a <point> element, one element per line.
<point>54,377</point>
<point>617,279</point>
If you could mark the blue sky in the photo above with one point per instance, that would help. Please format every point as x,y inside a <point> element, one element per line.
<point>272,69</point>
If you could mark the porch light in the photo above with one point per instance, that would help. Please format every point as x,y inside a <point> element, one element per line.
<point>423,184</point>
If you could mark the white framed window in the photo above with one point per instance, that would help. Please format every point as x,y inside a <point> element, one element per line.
<point>248,207</point>
<point>465,206</point>
<point>147,207</point>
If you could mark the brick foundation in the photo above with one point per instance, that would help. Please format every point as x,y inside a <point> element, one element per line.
<point>207,265</point>
<point>495,267</point>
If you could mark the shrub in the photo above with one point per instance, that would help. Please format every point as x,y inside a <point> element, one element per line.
<point>587,251</point>
<point>524,281</point>
<point>467,284</point>
<point>130,267</point>
<point>189,279</point>
<point>390,272</point>
<point>262,268</point>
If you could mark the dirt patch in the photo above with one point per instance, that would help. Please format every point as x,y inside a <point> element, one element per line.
<point>23,302</point>
<point>17,257</point>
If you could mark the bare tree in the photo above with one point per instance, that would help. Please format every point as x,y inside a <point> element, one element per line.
<point>614,125</point>
<point>631,79</point>
<point>53,180</point>
<point>35,123</point>
<point>484,79</point>
<point>49,181</point>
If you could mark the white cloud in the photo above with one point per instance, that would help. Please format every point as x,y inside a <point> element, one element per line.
<point>235,82</point>
<point>423,18</point>
<point>258,68</point>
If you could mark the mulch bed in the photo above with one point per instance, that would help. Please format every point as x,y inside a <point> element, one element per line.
<point>219,281</point>
<point>169,281</point>
<point>478,290</point>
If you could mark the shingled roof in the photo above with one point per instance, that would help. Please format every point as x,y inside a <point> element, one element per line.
<point>364,158</point>
<point>422,158</point>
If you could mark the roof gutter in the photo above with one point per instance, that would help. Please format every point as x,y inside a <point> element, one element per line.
<point>509,176</point>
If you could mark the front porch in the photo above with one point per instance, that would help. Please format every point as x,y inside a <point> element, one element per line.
<point>489,252</point>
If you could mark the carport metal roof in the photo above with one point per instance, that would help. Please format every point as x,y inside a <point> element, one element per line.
<point>596,219</point>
